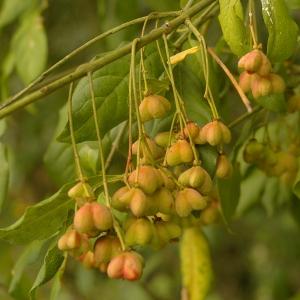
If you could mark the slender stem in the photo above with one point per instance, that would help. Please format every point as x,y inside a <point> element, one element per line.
<point>89,43</point>
<point>251,24</point>
<point>71,127</point>
<point>232,79</point>
<point>104,179</point>
<point>245,116</point>
<point>8,107</point>
<point>115,145</point>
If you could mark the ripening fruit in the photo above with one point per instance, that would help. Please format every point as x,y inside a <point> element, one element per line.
<point>180,152</point>
<point>149,150</point>
<point>82,192</point>
<point>139,232</point>
<point>261,86</point>
<point>193,177</point>
<point>147,178</point>
<point>210,214</point>
<point>265,67</point>
<point>215,133</point>
<point>92,218</point>
<point>190,130</point>
<point>252,61</point>
<point>164,201</point>
<point>154,107</point>
<point>224,167</point>
<point>139,203</point>
<point>87,260</point>
<point>121,198</point>
<point>73,242</point>
<point>162,138</point>
<point>167,178</point>
<point>245,81</point>
<point>188,200</point>
<point>278,84</point>
<point>127,265</point>
<point>254,151</point>
<point>105,248</point>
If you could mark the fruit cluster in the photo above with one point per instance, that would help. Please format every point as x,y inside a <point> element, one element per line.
<point>282,164</point>
<point>166,189</point>
<point>257,76</point>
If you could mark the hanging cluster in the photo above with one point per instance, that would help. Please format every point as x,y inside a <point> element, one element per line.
<point>274,162</point>
<point>257,76</point>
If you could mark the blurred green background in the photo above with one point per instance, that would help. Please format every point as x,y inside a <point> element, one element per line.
<point>257,258</point>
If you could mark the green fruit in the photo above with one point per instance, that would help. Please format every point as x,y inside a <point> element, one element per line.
<point>139,203</point>
<point>140,232</point>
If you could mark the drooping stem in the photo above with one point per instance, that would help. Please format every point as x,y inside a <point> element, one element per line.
<point>102,162</point>
<point>245,116</point>
<point>73,141</point>
<point>243,97</point>
<point>8,107</point>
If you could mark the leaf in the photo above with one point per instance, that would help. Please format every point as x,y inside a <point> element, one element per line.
<point>282,30</point>
<point>4,173</point>
<point>270,194</point>
<point>41,220</point>
<point>295,209</point>
<point>273,102</point>
<point>229,191</point>
<point>11,9</point>
<point>196,266</point>
<point>28,257</point>
<point>231,19</point>
<point>30,47</point>
<point>111,92</point>
<point>52,262</point>
<point>56,287</point>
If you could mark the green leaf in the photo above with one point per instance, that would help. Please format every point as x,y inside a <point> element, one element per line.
<point>232,23</point>
<point>11,9</point>
<point>30,47</point>
<point>274,102</point>
<point>229,191</point>
<point>57,281</point>
<point>52,262</point>
<point>111,92</point>
<point>28,257</point>
<point>41,220</point>
<point>295,209</point>
<point>282,30</point>
<point>4,173</point>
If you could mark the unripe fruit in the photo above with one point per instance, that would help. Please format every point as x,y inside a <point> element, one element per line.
<point>140,232</point>
<point>162,139</point>
<point>105,248</point>
<point>193,177</point>
<point>261,86</point>
<point>168,181</point>
<point>251,61</point>
<point>121,198</point>
<point>245,81</point>
<point>210,214</point>
<point>82,192</point>
<point>164,201</point>
<point>173,229</point>
<point>207,185</point>
<point>127,265</point>
<point>139,203</point>
<point>147,178</point>
<point>180,152</point>
<point>153,107</point>
<point>224,167</point>
<point>293,103</point>
<point>92,218</point>
<point>73,242</point>
<point>188,200</point>
<point>254,151</point>
<point>226,134</point>
<point>278,84</point>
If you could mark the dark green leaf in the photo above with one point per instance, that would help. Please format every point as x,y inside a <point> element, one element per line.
<point>41,220</point>
<point>30,47</point>
<point>52,262</point>
<point>232,23</point>
<point>28,257</point>
<point>111,92</point>
<point>282,30</point>
<point>229,191</point>
<point>274,102</point>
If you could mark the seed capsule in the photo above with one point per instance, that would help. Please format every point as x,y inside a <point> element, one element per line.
<point>82,192</point>
<point>278,84</point>
<point>245,81</point>
<point>224,167</point>
<point>215,133</point>
<point>252,61</point>
<point>140,232</point>
<point>261,86</point>
<point>180,152</point>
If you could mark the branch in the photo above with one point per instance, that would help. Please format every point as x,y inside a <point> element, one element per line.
<point>9,107</point>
